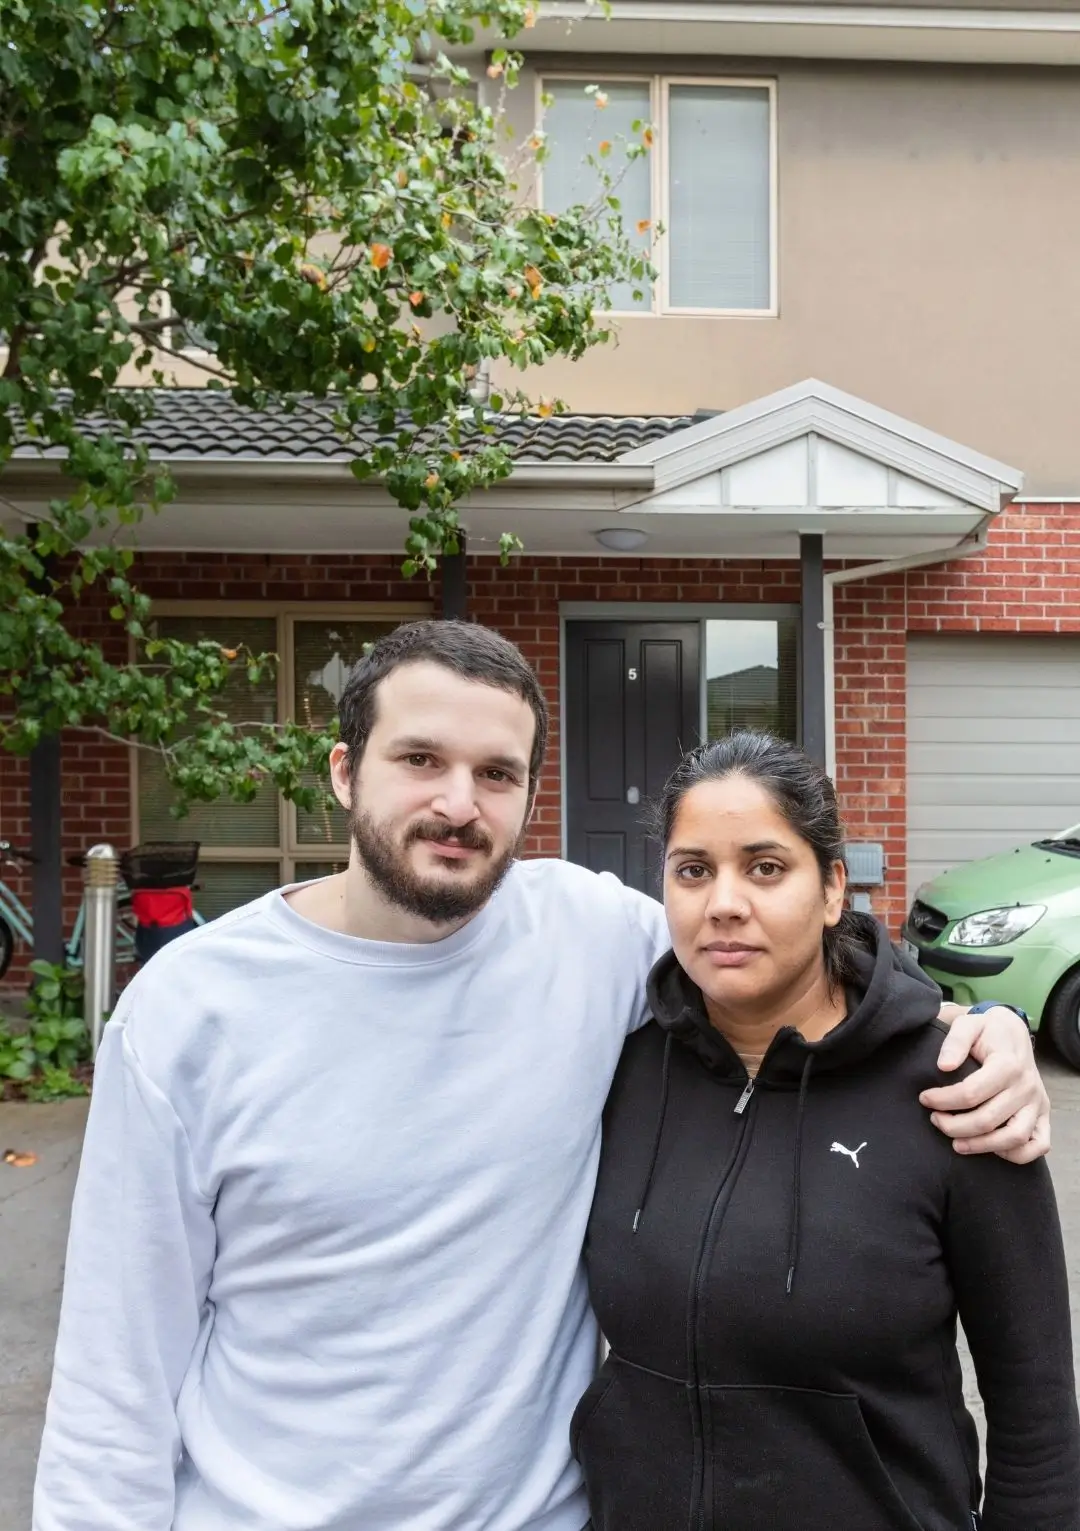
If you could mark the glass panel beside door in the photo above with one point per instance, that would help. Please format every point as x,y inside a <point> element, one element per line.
<point>751,676</point>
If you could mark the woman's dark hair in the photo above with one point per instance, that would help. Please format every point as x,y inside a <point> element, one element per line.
<point>465,649</point>
<point>804,797</point>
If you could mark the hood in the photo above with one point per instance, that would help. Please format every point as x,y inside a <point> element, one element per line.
<point>1027,875</point>
<point>889,997</point>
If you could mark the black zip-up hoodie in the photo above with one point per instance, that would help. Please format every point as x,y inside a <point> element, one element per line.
<point>778,1267</point>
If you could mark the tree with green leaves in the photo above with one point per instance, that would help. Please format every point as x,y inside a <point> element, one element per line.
<point>316,192</point>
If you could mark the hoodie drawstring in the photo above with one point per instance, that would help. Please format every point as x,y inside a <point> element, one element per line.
<point>796,1177</point>
<point>664,1078</point>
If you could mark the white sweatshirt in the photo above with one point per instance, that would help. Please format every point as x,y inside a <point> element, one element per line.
<point>324,1268</point>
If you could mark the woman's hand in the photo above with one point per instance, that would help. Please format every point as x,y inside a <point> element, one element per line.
<point>1002,1108</point>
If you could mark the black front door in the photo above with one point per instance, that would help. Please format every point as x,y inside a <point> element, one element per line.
<point>633,707</point>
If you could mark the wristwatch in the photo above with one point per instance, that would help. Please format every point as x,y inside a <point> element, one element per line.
<point>1000,1004</point>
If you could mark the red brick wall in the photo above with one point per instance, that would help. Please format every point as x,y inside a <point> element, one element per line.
<point>1028,580</point>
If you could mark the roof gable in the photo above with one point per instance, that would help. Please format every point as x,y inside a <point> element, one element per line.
<point>814,445</point>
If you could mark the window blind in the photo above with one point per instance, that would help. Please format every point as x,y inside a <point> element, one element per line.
<point>718,220</point>
<point>324,655</point>
<point>576,127</point>
<point>224,822</point>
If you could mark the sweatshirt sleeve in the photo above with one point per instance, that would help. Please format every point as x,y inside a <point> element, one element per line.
<point>1005,1254</point>
<point>140,1253</point>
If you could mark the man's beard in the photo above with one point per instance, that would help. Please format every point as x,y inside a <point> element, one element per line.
<point>384,860</point>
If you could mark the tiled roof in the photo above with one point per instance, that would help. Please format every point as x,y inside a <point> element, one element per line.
<point>210,425</point>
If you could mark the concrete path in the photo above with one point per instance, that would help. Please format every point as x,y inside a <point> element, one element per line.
<point>34,1207</point>
<point>33,1227</point>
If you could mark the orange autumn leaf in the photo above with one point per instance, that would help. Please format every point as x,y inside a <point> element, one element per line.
<point>18,1160</point>
<point>545,409</point>
<point>534,279</point>
<point>601,100</point>
<point>314,275</point>
<point>431,481</point>
<point>605,146</point>
<point>229,653</point>
<point>402,178</point>
<point>380,256</point>
<point>648,137</point>
<point>416,298</point>
<point>494,71</point>
<point>530,18</point>
<point>446,220</point>
<point>644,225</point>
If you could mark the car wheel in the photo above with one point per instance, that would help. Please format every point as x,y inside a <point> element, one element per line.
<point>1063,1018</point>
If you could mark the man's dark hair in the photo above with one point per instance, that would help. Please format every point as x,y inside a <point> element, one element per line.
<point>465,649</point>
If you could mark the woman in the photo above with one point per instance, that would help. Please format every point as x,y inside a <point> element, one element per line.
<point>781,1242</point>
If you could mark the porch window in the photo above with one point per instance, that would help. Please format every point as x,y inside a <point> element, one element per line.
<point>709,182</point>
<point>751,676</point>
<point>249,848</point>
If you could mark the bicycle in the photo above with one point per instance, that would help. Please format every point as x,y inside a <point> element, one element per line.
<point>16,921</point>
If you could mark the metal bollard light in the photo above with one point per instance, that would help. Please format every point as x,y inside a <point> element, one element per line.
<point>102,877</point>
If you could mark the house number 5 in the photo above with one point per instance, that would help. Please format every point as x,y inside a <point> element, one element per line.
<point>631,673</point>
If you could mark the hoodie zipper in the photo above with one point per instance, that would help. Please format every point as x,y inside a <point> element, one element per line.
<point>697,1284</point>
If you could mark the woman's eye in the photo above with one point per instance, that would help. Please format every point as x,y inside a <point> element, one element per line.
<point>692,872</point>
<point>768,868</point>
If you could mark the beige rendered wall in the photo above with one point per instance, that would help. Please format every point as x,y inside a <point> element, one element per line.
<point>929,261</point>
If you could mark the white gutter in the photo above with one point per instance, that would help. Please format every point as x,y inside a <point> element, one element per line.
<point>973,544</point>
<point>527,474</point>
<point>909,18</point>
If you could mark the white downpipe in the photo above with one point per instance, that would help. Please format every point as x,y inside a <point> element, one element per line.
<point>974,544</point>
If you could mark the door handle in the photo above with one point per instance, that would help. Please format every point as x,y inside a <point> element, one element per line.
<point>633,796</point>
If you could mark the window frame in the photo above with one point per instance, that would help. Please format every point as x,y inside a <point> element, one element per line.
<point>659,86</point>
<point>288,851</point>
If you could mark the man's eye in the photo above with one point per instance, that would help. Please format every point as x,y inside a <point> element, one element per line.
<point>418,760</point>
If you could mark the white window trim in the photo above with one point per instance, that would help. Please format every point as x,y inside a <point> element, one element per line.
<point>288,851</point>
<point>659,177</point>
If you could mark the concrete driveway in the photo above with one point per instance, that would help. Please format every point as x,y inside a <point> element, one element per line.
<point>33,1227</point>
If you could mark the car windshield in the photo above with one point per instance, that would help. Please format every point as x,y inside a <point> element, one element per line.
<point>1065,845</point>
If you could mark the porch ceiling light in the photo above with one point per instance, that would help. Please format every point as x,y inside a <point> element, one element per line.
<point>621,539</point>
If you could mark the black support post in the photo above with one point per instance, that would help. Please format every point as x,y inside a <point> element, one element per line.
<point>47,895</point>
<point>455,583</point>
<point>812,647</point>
<point>46,844</point>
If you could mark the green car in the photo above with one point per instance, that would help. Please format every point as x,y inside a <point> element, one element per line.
<point>1008,928</point>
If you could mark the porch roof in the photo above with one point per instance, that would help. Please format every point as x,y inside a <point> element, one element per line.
<point>746,483</point>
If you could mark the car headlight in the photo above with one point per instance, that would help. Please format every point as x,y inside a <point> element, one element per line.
<point>993,927</point>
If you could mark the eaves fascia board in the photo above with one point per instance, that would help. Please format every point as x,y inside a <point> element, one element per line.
<point>525,474</point>
<point>904,18</point>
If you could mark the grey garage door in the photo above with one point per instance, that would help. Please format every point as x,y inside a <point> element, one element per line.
<point>993,732</point>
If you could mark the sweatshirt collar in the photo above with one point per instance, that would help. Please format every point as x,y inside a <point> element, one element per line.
<point>381,954</point>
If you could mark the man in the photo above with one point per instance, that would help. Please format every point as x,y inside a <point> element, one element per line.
<point>324,1268</point>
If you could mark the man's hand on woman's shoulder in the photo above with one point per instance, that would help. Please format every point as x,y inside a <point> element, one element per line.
<point>1002,1108</point>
